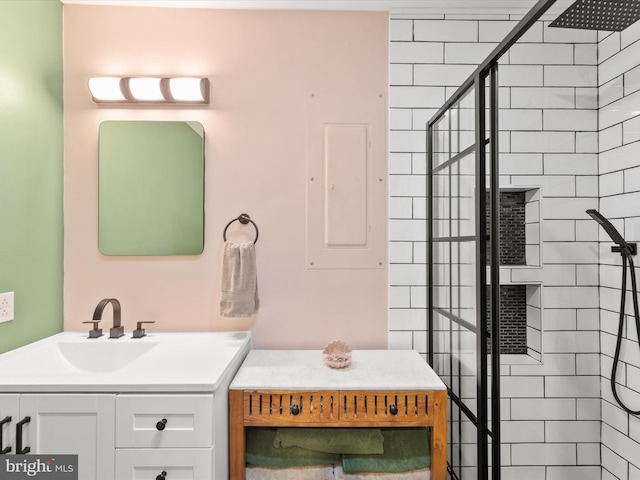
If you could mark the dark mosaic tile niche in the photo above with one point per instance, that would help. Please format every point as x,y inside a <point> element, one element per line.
<point>513,298</point>
<point>513,319</point>
<point>512,228</point>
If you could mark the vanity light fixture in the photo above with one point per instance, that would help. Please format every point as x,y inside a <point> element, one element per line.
<point>156,90</point>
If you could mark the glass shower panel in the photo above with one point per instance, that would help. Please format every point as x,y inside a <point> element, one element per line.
<point>467,358</point>
<point>469,449</point>
<point>465,123</point>
<point>463,388</point>
<point>466,188</point>
<point>442,348</point>
<point>455,436</point>
<point>455,132</point>
<point>441,195</point>
<point>463,298</point>
<point>441,141</point>
<point>442,276</point>
<point>455,245</point>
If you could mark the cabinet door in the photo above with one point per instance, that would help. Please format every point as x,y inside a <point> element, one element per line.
<point>9,412</point>
<point>179,464</point>
<point>73,424</point>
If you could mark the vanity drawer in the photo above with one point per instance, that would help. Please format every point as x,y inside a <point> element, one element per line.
<point>386,408</point>
<point>290,407</point>
<point>164,421</point>
<point>147,464</point>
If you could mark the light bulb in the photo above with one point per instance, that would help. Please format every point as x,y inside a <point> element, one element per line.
<point>145,89</point>
<point>188,89</point>
<point>106,89</point>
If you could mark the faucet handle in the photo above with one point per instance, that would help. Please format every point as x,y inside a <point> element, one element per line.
<point>139,331</point>
<point>95,332</point>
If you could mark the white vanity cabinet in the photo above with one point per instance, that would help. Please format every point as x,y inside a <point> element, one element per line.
<point>124,436</point>
<point>159,404</point>
<point>79,424</point>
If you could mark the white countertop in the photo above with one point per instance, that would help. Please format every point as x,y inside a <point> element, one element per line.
<point>306,370</point>
<point>158,362</point>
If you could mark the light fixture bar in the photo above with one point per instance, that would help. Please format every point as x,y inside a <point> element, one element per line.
<point>155,90</point>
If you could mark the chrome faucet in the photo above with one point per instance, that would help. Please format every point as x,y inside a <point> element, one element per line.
<point>117,330</point>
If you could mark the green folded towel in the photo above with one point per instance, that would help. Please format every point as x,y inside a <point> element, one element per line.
<point>260,451</point>
<point>405,449</point>
<point>331,440</point>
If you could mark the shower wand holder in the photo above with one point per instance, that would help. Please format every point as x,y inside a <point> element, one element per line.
<point>630,249</point>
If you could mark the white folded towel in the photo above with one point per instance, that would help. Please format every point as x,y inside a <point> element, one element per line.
<point>291,473</point>
<point>422,474</point>
<point>239,296</point>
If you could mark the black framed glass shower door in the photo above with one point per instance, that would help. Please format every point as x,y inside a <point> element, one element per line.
<point>463,231</point>
<point>462,174</point>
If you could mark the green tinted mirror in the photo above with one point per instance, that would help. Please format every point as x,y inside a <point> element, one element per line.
<point>151,188</point>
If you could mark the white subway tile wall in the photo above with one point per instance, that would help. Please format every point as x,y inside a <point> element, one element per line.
<point>549,138</point>
<point>619,117</point>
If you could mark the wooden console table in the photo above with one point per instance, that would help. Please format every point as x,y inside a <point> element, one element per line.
<point>381,388</point>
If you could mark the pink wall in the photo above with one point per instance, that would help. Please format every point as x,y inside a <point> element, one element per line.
<point>263,67</point>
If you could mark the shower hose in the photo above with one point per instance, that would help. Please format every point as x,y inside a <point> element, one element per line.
<point>626,257</point>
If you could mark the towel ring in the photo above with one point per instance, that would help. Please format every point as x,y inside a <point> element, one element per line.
<point>243,219</point>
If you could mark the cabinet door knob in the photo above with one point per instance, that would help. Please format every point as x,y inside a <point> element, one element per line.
<point>161,425</point>
<point>162,476</point>
<point>5,450</point>
<point>295,409</point>
<point>19,449</point>
<point>393,410</point>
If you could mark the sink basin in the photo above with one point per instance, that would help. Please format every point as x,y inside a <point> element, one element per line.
<point>102,356</point>
<point>159,362</point>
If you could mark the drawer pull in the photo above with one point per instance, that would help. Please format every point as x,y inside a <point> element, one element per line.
<point>393,410</point>
<point>295,409</point>
<point>19,449</point>
<point>161,426</point>
<point>163,475</point>
<point>5,450</point>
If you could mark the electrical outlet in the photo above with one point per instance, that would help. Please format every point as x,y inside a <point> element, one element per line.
<point>6,307</point>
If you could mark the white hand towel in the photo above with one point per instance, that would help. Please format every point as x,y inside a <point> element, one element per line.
<point>239,296</point>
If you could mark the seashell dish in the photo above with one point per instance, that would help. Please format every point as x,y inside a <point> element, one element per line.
<point>338,354</point>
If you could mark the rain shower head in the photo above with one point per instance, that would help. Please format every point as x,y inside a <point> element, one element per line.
<point>610,15</point>
<point>623,246</point>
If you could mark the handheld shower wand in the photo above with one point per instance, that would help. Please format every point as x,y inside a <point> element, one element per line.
<point>623,247</point>
<point>627,250</point>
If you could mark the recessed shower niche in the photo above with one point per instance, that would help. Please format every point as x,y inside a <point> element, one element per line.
<point>520,281</point>
<point>520,323</point>
<point>519,226</point>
